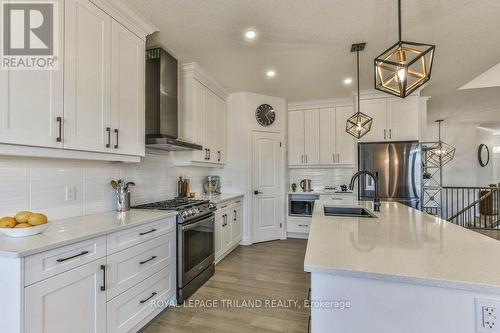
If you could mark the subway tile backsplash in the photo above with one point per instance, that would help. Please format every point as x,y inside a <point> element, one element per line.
<point>321,177</point>
<point>66,188</point>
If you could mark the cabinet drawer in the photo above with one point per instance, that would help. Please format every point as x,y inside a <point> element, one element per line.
<point>301,226</point>
<point>43,265</point>
<point>133,236</point>
<point>130,308</point>
<point>127,268</point>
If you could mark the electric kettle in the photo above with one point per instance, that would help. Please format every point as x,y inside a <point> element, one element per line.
<point>305,185</point>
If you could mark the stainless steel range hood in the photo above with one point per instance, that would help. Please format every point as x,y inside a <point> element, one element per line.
<point>161,103</point>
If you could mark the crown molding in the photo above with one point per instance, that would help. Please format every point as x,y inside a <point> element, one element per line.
<point>128,16</point>
<point>319,104</point>
<point>193,70</point>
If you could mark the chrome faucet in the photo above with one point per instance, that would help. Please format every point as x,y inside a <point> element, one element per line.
<point>376,200</point>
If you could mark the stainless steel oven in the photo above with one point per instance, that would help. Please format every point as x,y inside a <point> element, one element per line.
<point>301,205</point>
<point>195,254</point>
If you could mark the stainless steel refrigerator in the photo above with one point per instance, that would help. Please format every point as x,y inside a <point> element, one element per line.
<point>398,165</point>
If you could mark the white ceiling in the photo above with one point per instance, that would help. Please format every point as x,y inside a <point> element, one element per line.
<point>308,43</point>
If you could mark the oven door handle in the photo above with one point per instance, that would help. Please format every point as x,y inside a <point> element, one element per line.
<point>194,225</point>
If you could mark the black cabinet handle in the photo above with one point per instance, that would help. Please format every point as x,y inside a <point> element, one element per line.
<point>75,256</point>
<point>257,192</point>
<point>218,159</point>
<point>147,232</point>
<point>234,220</point>
<point>103,268</point>
<point>145,261</point>
<point>209,155</point>
<point>147,299</point>
<point>59,123</point>
<point>117,135</point>
<point>108,129</point>
<point>206,154</point>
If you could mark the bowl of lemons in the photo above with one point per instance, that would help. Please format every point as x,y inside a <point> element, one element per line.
<point>23,224</point>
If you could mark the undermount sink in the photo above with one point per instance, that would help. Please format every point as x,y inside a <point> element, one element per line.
<point>348,211</point>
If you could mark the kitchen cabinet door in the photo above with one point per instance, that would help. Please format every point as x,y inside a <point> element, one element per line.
<point>69,302</point>
<point>377,109</point>
<point>345,143</point>
<point>220,153</point>
<point>210,125</point>
<point>237,220</point>
<point>227,240</point>
<point>296,138</point>
<point>31,101</point>
<point>87,114</point>
<point>127,92</point>
<point>198,118</point>
<point>219,221</point>
<point>311,136</point>
<point>327,154</point>
<point>403,118</point>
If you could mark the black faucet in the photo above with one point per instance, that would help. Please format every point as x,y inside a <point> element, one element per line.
<point>376,200</point>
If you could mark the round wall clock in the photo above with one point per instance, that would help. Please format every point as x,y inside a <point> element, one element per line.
<point>265,115</point>
<point>483,155</point>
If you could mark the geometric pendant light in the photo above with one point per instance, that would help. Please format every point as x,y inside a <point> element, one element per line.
<point>359,123</point>
<point>404,66</point>
<point>440,152</point>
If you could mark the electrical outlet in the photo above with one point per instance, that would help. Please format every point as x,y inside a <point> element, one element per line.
<point>70,193</point>
<point>486,315</point>
<point>229,182</point>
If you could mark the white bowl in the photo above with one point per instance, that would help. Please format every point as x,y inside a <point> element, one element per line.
<point>24,232</point>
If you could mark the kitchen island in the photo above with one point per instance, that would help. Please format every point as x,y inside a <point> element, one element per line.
<point>401,271</point>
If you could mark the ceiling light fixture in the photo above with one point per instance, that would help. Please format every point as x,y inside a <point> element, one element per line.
<point>440,152</point>
<point>404,67</point>
<point>347,81</point>
<point>250,34</point>
<point>359,123</point>
<point>271,73</point>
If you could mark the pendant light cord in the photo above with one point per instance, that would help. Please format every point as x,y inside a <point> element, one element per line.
<point>399,19</point>
<point>357,66</point>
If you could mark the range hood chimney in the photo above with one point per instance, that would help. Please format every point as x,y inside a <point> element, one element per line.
<point>161,103</point>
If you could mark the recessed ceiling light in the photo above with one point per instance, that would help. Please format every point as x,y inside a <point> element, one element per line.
<point>271,73</point>
<point>250,34</point>
<point>347,81</point>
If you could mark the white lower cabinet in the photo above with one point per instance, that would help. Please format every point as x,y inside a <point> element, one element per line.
<point>228,227</point>
<point>69,302</point>
<point>112,293</point>
<point>129,309</point>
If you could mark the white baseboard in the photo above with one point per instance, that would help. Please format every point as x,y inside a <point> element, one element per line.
<point>297,235</point>
<point>246,242</point>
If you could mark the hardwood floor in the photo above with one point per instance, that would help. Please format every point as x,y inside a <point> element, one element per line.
<point>265,271</point>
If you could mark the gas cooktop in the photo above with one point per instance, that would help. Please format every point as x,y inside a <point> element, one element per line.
<point>173,204</point>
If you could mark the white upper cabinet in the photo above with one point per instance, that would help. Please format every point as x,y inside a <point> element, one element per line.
<point>377,109</point>
<point>94,102</point>
<point>311,136</point>
<point>31,101</point>
<point>327,136</point>
<point>87,104</point>
<point>345,144</point>
<point>318,137</point>
<point>394,119</point>
<point>127,92</point>
<point>403,118</point>
<point>296,138</point>
<point>202,117</point>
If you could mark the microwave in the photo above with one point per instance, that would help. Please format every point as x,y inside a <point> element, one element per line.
<point>301,205</point>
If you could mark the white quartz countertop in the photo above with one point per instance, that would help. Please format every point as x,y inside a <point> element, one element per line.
<point>216,199</point>
<point>402,245</point>
<point>67,231</point>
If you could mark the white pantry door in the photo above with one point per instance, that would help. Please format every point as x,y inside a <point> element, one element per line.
<point>268,212</point>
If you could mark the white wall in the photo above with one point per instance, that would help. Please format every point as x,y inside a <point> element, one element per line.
<point>237,174</point>
<point>464,169</point>
<point>40,184</point>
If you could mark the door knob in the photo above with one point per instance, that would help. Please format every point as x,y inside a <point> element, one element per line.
<point>257,192</point>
